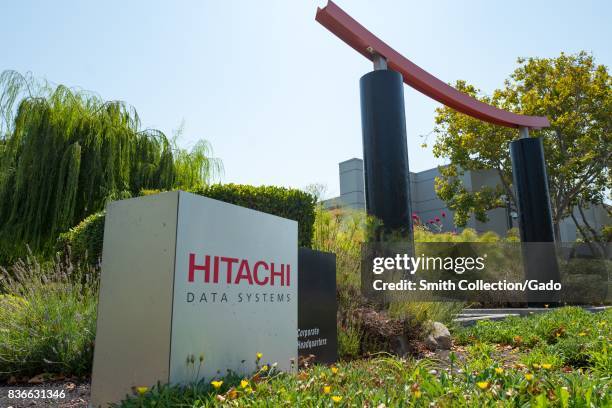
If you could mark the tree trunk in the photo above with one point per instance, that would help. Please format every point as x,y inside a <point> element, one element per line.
<point>595,237</point>
<point>556,230</point>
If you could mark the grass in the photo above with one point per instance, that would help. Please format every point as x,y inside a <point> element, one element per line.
<point>567,336</point>
<point>483,371</point>
<point>47,319</point>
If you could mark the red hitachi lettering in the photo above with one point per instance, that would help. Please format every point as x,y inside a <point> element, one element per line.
<point>244,272</point>
<point>230,262</point>
<point>193,267</point>
<point>216,273</point>
<point>256,276</point>
<point>280,273</point>
<point>257,272</point>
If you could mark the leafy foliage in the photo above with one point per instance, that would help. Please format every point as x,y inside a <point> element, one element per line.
<point>85,239</point>
<point>284,202</point>
<point>65,153</point>
<point>482,376</point>
<point>575,94</point>
<point>47,318</point>
<point>574,336</point>
<point>343,232</point>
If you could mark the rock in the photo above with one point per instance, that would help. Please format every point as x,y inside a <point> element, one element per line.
<point>400,346</point>
<point>439,337</point>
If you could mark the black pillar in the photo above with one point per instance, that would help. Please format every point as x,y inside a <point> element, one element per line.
<point>535,216</point>
<point>385,151</point>
<point>531,184</point>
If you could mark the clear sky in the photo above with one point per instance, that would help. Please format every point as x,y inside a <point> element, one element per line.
<point>275,93</point>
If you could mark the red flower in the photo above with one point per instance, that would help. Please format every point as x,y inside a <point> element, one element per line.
<point>437,219</point>
<point>414,216</point>
<point>443,214</point>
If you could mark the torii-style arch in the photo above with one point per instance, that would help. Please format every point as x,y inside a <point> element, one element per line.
<point>367,44</point>
<point>385,151</point>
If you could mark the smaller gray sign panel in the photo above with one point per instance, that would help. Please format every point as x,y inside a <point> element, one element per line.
<point>317,332</point>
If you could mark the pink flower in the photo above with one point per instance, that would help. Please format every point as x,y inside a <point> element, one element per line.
<point>430,221</point>
<point>414,216</point>
<point>443,214</point>
<point>437,219</point>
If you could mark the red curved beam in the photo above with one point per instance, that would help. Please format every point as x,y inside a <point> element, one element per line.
<point>363,41</point>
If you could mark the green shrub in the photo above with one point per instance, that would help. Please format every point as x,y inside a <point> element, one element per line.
<point>424,312</point>
<point>342,232</point>
<point>85,240</point>
<point>349,341</point>
<point>87,237</point>
<point>284,202</point>
<point>47,319</point>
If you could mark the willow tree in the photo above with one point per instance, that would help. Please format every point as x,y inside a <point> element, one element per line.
<point>65,153</point>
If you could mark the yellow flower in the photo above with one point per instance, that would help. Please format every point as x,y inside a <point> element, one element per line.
<point>264,368</point>
<point>336,398</point>
<point>582,334</point>
<point>259,356</point>
<point>142,390</point>
<point>483,385</point>
<point>529,377</point>
<point>334,370</point>
<point>326,389</point>
<point>546,366</point>
<point>602,323</point>
<point>417,394</point>
<point>535,365</point>
<point>244,383</point>
<point>216,384</point>
<point>499,370</point>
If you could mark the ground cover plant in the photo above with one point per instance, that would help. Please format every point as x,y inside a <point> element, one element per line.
<point>483,371</point>
<point>566,337</point>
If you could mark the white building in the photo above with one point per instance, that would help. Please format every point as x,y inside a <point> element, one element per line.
<point>427,205</point>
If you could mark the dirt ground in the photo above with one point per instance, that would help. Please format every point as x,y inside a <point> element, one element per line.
<point>76,394</point>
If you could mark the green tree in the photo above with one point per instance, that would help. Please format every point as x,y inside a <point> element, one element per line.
<point>65,153</point>
<point>576,95</point>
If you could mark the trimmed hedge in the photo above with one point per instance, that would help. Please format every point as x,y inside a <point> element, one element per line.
<point>288,203</point>
<point>85,239</point>
<point>87,236</point>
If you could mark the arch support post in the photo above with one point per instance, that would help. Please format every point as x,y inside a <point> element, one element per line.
<point>385,151</point>
<point>535,215</point>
